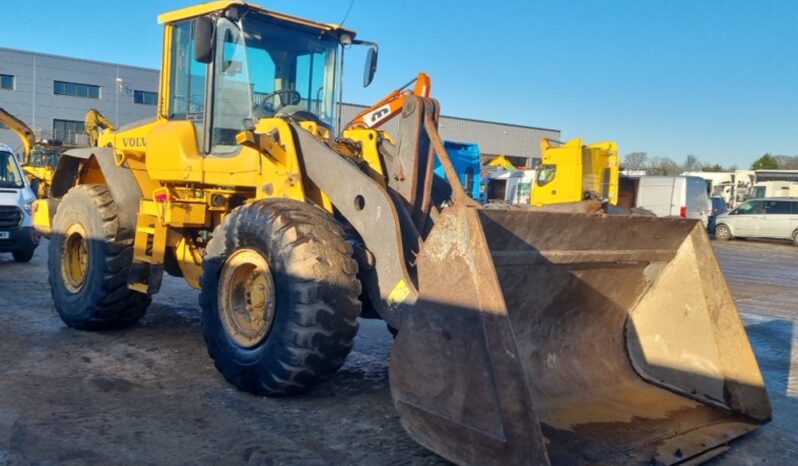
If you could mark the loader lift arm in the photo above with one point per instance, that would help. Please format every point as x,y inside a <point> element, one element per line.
<point>392,104</point>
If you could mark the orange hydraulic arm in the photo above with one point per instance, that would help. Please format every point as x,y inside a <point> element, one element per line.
<point>392,104</point>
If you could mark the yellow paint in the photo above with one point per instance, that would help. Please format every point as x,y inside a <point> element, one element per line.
<point>399,293</point>
<point>368,139</point>
<point>189,259</point>
<point>221,5</point>
<point>570,171</point>
<point>41,216</point>
<point>501,162</point>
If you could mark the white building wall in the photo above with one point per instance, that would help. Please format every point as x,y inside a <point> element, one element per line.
<point>33,99</point>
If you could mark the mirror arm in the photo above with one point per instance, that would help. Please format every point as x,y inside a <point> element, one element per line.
<point>366,42</point>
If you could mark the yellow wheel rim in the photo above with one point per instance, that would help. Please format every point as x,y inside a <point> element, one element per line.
<point>246,298</point>
<point>75,257</point>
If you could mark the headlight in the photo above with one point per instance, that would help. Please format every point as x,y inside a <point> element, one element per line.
<point>28,208</point>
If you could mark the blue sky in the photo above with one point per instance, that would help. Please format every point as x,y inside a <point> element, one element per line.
<point>712,78</point>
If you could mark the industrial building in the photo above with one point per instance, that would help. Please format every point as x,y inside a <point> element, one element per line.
<point>52,94</point>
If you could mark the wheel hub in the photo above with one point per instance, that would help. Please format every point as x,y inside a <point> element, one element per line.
<point>75,257</point>
<point>246,298</point>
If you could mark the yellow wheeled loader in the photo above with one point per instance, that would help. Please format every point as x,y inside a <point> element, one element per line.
<point>524,336</point>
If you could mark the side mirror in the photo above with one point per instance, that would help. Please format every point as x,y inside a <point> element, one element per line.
<point>371,66</point>
<point>203,39</point>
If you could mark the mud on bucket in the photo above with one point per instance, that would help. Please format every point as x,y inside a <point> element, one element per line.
<point>556,338</point>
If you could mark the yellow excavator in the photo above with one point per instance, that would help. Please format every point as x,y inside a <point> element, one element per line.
<point>40,157</point>
<point>525,336</point>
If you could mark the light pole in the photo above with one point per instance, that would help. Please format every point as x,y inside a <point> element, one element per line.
<point>119,86</point>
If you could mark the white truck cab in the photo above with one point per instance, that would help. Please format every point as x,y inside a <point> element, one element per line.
<point>17,234</point>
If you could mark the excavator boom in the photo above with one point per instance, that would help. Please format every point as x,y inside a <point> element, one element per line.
<point>19,128</point>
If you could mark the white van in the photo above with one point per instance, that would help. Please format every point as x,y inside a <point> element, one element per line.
<point>17,234</point>
<point>678,196</point>
<point>760,218</point>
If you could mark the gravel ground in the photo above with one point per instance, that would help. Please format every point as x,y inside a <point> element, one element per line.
<point>150,394</point>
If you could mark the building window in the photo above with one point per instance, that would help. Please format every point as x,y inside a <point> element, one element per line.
<point>146,98</point>
<point>6,81</point>
<point>67,131</point>
<point>76,89</point>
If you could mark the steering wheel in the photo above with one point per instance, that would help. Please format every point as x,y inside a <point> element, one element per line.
<point>287,97</point>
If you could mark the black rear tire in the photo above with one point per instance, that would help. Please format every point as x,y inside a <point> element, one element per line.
<point>92,295</point>
<point>314,297</point>
<point>23,255</point>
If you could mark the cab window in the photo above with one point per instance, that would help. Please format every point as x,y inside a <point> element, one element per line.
<point>546,174</point>
<point>749,208</point>
<point>777,207</point>
<point>187,81</point>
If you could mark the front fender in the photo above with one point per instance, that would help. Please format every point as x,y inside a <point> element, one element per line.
<point>119,178</point>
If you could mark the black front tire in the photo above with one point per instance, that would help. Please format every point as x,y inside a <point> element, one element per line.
<point>315,297</point>
<point>23,255</point>
<point>101,300</point>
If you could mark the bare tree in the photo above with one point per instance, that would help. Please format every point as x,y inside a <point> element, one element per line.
<point>635,161</point>
<point>787,162</point>
<point>692,164</point>
<point>663,166</point>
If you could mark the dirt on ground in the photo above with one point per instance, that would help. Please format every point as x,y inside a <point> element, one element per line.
<point>150,394</point>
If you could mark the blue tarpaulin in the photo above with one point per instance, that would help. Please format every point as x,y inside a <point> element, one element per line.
<point>465,157</point>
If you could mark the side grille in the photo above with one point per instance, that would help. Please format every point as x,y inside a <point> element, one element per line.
<point>10,217</point>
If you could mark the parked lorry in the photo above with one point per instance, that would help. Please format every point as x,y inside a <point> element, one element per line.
<point>525,336</point>
<point>765,189</point>
<point>573,171</point>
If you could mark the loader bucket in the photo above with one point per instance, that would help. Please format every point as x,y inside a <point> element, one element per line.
<point>565,338</point>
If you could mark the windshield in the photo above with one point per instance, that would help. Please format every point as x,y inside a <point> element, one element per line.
<point>10,176</point>
<point>546,174</point>
<point>270,69</point>
<point>750,207</point>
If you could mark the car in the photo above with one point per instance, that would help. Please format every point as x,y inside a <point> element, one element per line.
<point>17,234</point>
<point>717,207</point>
<point>760,218</point>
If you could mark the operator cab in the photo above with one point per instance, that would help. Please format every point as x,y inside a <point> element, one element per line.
<point>254,64</point>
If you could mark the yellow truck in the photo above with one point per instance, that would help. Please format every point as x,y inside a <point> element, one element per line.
<point>574,171</point>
